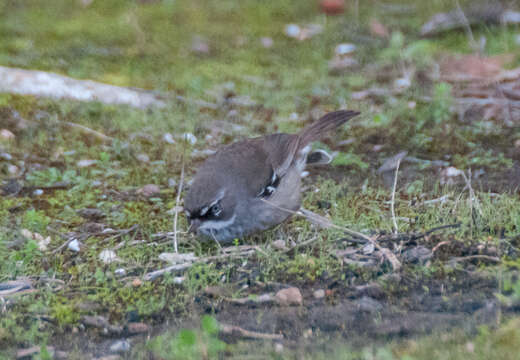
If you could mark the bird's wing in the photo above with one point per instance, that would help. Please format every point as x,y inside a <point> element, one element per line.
<point>247,163</point>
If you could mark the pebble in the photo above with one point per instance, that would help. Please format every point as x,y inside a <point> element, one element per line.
<point>345,49</point>
<point>289,297</point>
<point>86,163</point>
<point>137,328</point>
<point>143,158</point>
<point>367,304</point>
<point>74,245</point>
<point>6,156</point>
<point>168,138</point>
<point>319,294</point>
<point>190,138</point>
<point>149,190</point>
<point>120,272</point>
<point>279,244</point>
<point>292,30</point>
<point>12,169</point>
<point>6,135</point>
<point>120,346</point>
<point>172,182</point>
<point>108,256</point>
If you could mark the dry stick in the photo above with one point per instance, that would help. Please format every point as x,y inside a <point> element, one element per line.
<point>176,216</point>
<point>121,233</point>
<point>396,264</point>
<point>89,131</point>
<point>473,257</point>
<point>392,204</point>
<point>181,267</point>
<point>471,192</point>
<point>467,26</point>
<point>237,331</point>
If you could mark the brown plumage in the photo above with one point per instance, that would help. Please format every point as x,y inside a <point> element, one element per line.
<point>242,179</point>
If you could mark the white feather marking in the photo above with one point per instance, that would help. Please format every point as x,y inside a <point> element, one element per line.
<point>217,225</point>
<point>204,210</point>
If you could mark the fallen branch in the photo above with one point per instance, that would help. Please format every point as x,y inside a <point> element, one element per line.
<point>239,332</point>
<point>390,256</point>
<point>120,233</point>
<point>250,250</point>
<point>46,84</point>
<point>475,257</point>
<point>89,131</point>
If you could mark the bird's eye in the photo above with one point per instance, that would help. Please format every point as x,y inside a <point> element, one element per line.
<point>216,209</point>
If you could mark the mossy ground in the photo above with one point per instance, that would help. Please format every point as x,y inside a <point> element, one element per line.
<point>148,44</point>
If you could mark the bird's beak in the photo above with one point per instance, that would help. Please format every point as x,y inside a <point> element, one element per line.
<point>194,226</point>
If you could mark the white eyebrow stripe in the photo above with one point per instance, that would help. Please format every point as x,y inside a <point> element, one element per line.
<point>216,224</point>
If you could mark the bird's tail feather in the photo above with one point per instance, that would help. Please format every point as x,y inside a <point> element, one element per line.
<point>326,123</point>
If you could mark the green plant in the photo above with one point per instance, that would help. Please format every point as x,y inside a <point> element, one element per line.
<point>190,344</point>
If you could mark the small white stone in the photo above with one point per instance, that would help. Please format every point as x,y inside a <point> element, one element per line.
<point>294,116</point>
<point>143,158</point>
<point>42,243</point>
<point>345,49</point>
<point>319,294</point>
<point>120,272</point>
<point>120,346</point>
<point>6,134</point>
<point>402,84</point>
<point>452,171</point>
<point>74,245</point>
<point>179,280</point>
<point>189,137</point>
<point>292,30</point>
<point>168,138</point>
<point>108,256</point>
<point>86,163</point>
<point>279,244</point>
<point>12,169</point>
<point>38,192</point>
<point>26,234</point>
<point>6,156</point>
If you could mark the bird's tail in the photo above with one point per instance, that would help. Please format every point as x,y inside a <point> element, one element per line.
<point>326,123</point>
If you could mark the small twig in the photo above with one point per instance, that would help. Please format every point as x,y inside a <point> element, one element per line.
<point>442,243</point>
<point>390,256</point>
<point>392,204</point>
<point>302,244</point>
<point>434,201</point>
<point>177,200</point>
<point>122,233</point>
<point>89,131</point>
<point>67,239</point>
<point>184,266</point>
<point>237,331</point>
<point>473,257</point>
<point>467,25</point>
<point>471,192</point>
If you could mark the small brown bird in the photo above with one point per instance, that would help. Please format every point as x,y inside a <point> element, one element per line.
<point>254,184</point>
